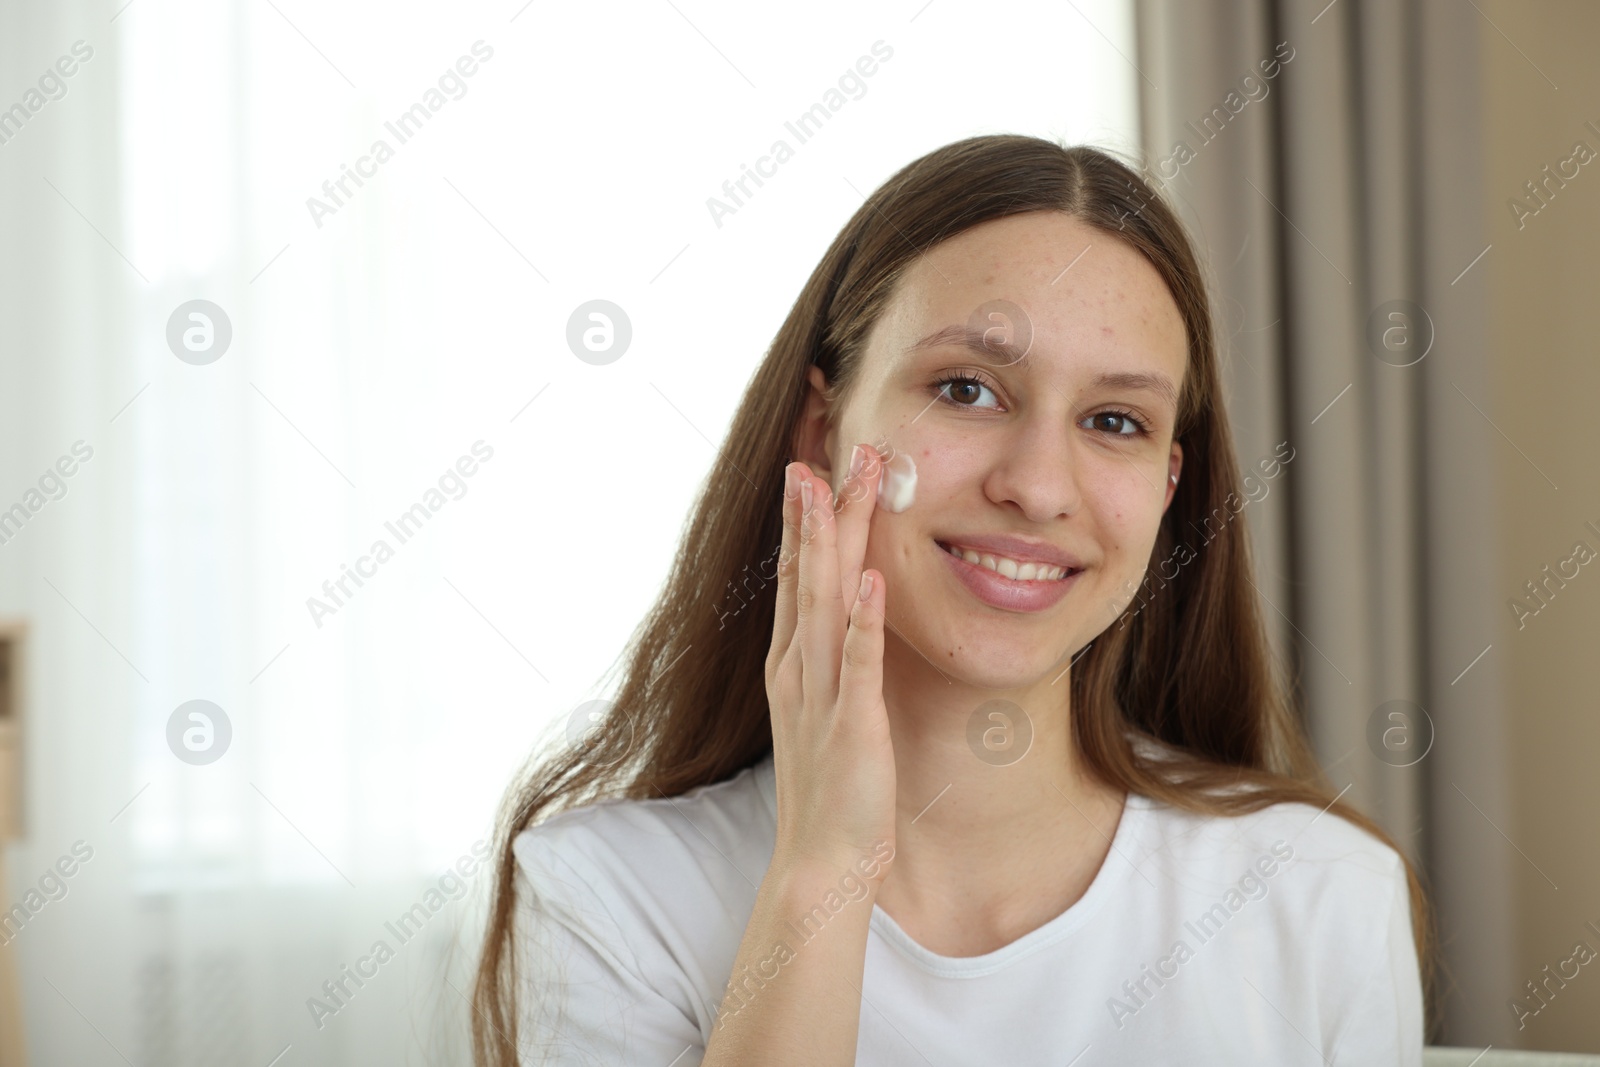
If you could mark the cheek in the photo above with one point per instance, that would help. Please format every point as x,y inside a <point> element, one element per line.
<point>1124,513</point>
<point>947,467</point>
<point>892,548</point>
<point>1121,500</point>
<point>883,546</point>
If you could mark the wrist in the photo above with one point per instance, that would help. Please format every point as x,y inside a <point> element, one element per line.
<point>807,875</point>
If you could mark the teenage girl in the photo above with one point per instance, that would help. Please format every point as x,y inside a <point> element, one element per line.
<point>914,762</point>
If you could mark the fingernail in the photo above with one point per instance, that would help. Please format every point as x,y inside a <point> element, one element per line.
<point>866,587</point>
<point>790,487</point>
<point>858,456</point>
<point>872,460</point>
<point>805,497</point>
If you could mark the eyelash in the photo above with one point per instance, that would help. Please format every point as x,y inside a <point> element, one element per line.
<point>945,381</point>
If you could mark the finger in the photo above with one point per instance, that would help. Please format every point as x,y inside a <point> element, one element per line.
<point>821,613</point>
<point>859,499</point>
<point>783,621</point>
<point>861,670</point>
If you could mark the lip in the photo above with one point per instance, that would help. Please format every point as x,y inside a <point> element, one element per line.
<point>1017,548</point>
<point>998,591</point>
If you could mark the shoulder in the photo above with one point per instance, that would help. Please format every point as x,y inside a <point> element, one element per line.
<point>1320,895</point>
<point>1339,860</point>
<point>1333,859</point>
<point>1313,908</point>
<point>628,911</point>
<point>622,861</point>
<point>1302,832</point>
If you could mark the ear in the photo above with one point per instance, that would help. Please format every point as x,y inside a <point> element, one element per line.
<point>814,438</point>
<point>1174,469</point>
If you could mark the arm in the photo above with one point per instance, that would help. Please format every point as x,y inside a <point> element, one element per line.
<point>794,996</point>
<point>1383,1023</point>
<point>585,1001</point>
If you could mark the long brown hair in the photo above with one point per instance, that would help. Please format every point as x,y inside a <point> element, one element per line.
<point>1191,668</point>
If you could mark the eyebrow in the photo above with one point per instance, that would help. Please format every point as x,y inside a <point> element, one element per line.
<point>973,340</point>
<point>965,337</point>
<point>1159,384</point>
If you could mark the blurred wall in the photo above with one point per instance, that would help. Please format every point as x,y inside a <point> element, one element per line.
<point>1542,89</point>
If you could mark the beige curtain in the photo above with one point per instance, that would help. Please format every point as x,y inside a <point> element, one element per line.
<point>1327,158</point>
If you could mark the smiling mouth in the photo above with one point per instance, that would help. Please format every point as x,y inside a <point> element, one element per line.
<point>1009,568</point>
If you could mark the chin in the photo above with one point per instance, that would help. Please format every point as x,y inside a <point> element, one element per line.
<point>975,651</point>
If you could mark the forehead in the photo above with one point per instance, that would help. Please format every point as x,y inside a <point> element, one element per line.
<point>1087,296</point>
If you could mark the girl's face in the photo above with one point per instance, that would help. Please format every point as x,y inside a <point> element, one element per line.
<point>1062,442</point>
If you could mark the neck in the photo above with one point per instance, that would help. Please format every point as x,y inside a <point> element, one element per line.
<point>999,828</point>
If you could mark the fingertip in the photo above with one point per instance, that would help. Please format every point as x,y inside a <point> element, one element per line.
<point>874,463</point>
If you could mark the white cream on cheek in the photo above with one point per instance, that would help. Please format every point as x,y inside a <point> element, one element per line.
<point>897,488</point>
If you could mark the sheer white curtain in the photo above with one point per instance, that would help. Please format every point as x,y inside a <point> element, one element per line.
<point>398,346</point>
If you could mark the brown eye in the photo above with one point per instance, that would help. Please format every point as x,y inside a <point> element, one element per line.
<point>964,390</point>
<point>1117,423</point>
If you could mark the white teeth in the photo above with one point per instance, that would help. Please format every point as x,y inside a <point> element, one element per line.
<point>1010,568</point>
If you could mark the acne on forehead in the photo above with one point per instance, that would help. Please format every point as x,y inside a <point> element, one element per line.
<point>941,286</point>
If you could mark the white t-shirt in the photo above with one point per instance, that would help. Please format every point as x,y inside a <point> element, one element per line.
<point>1282,937</point>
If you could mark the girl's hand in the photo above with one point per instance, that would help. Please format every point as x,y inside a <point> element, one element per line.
<point>830,728</point>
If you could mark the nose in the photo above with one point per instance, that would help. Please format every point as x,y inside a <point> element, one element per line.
<point>1036,468</point>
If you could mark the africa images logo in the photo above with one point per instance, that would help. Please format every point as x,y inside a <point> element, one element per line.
<point>1251,886</point>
